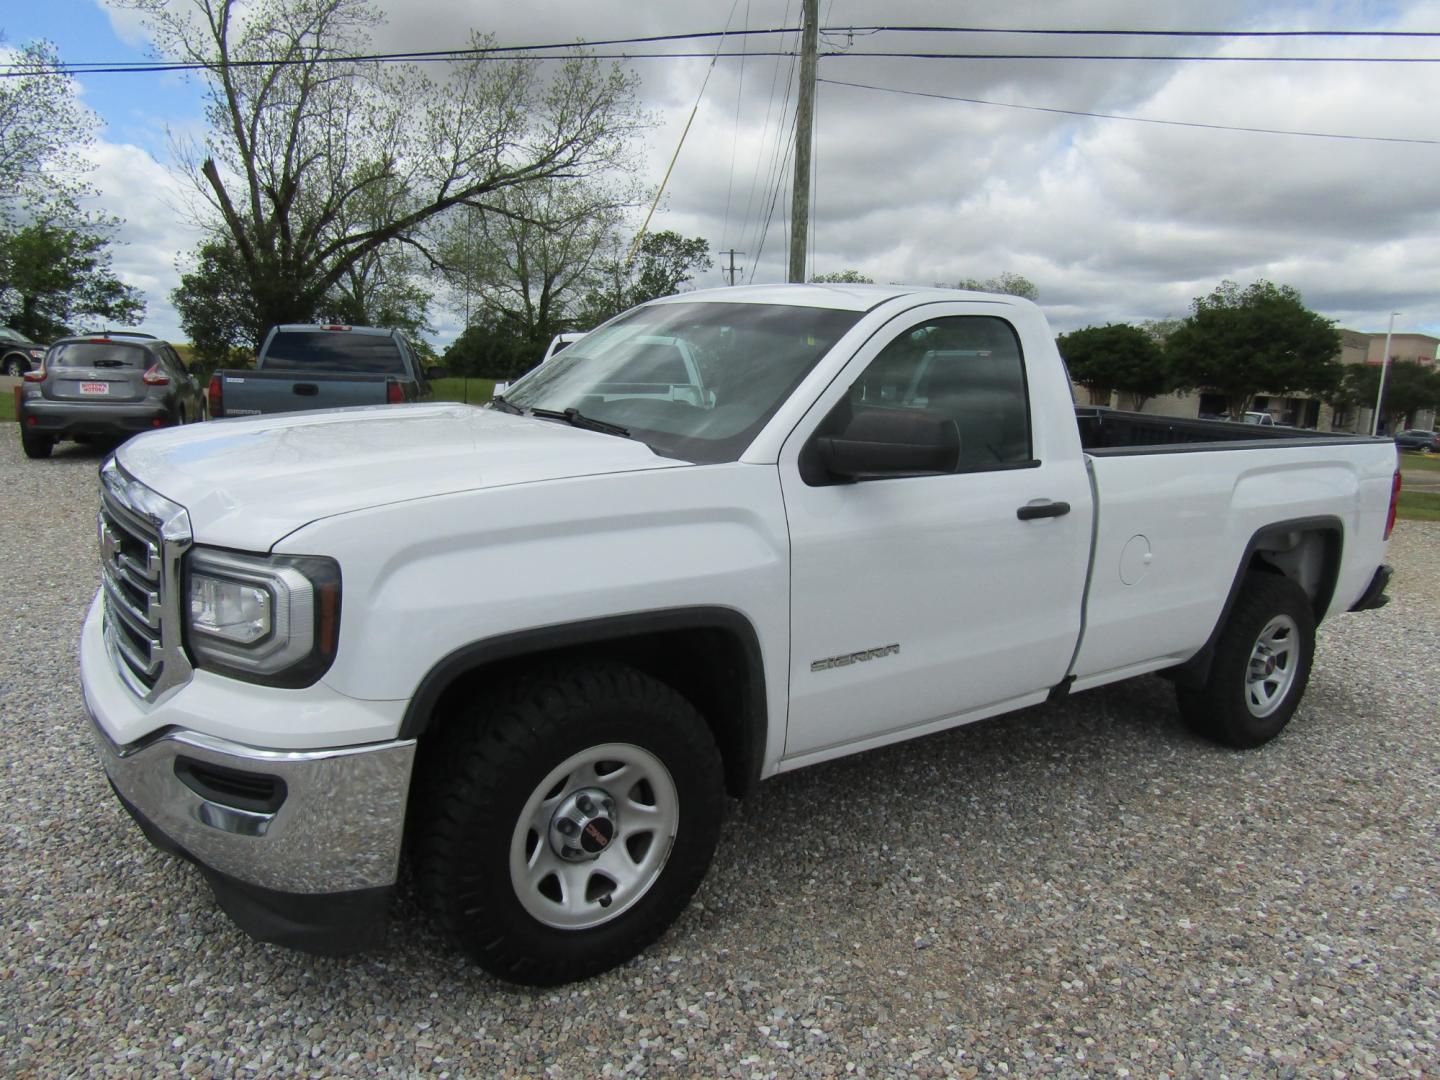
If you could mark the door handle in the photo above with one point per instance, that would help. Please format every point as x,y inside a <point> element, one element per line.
<point>305,389</point>
<point>1031,511</point>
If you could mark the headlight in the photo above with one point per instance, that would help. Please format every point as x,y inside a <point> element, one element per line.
<point>272,620</point>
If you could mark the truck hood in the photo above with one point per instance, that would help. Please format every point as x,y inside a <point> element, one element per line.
<point>248,482</point>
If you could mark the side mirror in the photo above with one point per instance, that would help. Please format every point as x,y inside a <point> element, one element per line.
<point>891,442</point>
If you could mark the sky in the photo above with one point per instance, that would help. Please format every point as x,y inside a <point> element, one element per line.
<point>1113,220</point>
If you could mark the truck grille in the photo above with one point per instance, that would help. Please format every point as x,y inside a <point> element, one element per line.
<point>142,539</point>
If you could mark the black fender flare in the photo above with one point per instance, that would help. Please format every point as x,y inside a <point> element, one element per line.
<point>1196,670</point>
<point>751,734</point>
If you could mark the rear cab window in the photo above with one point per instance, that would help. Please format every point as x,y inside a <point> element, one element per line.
<point>332,350</point>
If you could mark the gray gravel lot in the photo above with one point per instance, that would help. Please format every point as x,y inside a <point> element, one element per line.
<point>1075,890</point>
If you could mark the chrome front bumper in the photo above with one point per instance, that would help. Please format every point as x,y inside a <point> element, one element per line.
<point>323,821</point>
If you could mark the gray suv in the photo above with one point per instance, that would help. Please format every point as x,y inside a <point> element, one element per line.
<point>106,386</point>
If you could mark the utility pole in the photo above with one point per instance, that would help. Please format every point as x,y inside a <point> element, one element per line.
<point>732,269</point>
<point>804,137</point>
<point>1384,367</point>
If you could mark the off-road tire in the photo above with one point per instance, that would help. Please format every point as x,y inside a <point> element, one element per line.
<point>1270,607</point>
<point>491,759</point>
<point>36,446</point>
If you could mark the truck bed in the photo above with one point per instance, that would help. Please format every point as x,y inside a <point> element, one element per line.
<point>1112,432</point>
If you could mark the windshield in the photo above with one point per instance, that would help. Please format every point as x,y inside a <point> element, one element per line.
<point>693,381</point>
<point>332,350</point>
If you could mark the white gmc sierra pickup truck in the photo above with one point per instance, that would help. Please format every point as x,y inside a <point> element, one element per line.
<point>531,646</point>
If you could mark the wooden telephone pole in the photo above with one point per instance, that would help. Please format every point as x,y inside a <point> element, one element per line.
<point>804,137</point>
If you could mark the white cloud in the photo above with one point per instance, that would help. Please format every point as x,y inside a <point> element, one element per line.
<point>157,227</point>
<point>129,25</point>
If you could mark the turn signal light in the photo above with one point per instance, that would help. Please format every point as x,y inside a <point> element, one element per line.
<point>216,395</point>
<point>38,375</point>
<point>156,377</point>
<point>394,394</point>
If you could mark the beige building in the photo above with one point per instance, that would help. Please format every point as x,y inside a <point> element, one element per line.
<point>1355,348</point>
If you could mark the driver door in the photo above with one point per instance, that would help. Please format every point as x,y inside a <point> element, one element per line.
<point>923,600</point>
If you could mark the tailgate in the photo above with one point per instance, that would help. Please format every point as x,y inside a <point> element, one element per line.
<point>252,393</point>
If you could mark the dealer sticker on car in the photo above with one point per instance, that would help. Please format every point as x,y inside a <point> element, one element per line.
<point>94,388</point>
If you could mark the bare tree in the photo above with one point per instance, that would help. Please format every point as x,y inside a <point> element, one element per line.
<point>301,132</point>
<point>530,265</point>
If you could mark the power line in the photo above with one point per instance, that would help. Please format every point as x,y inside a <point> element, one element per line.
<point>581,54</point>
<point>1135,119</point>
<point>734,142</point>
<point>1071,32</point>
<point>568,50</point>
<point>1140,56</point>
<point>765,135</point>
<point>660,191</point>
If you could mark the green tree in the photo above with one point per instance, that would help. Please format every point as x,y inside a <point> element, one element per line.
<point>665,263</point>
<point>217,310</point>
<point>842,277</point>
<point>312,165</point>
<point>383,289</point>
<point>1116,356</point>
<point>57,277</point>
<point>1409,388</point>
<point>1262,339</point>
<point>1007,283</point>
<point>43,130</point>
<point>490,349</point>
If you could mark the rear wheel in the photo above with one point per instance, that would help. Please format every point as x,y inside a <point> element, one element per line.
<point>15,367</point>
<point>572,815</point>
<point>1261,665</point>
<point>36,446</point>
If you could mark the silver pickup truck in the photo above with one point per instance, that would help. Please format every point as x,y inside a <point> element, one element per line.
<point>304,367</point>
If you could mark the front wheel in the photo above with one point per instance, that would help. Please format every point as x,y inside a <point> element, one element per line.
<point>572,815</point>
<point>1261,665</point>
<point>15,367</point>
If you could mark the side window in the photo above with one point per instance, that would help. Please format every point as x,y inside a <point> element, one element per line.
<point>965,368</point>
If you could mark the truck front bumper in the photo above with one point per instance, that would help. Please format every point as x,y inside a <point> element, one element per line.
<point>301,848</point>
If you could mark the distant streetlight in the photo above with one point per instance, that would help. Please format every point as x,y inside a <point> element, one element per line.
<point>1384,366</point>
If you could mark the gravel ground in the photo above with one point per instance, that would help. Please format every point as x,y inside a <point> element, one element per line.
<point>1075,890</point>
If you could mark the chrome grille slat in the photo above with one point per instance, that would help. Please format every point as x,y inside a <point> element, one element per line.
<point>148,667</point>
<point>143,626</point>
<point>140,558</point>
<point>136,572</point>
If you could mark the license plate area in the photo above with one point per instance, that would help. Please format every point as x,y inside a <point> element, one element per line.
<point>94,389</point>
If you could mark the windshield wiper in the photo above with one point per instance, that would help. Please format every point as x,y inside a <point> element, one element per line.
<point>505,406</point>
<point>575,418</point>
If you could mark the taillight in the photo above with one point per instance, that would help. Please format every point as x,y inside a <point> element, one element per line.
<point>216,395</point>
<point>394,393</point>
<point>1394,504</point>
<point>156,377</point>
<point>38,375</point>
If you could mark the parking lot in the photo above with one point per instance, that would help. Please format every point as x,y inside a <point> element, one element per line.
<point>1078,889</point>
